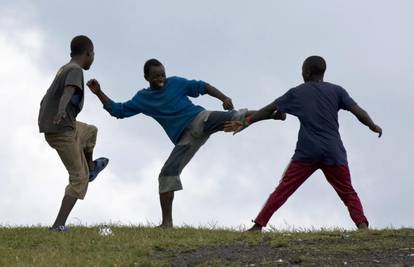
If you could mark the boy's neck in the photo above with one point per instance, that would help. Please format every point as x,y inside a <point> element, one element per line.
<point>76,60</point>
<point>315,79</point>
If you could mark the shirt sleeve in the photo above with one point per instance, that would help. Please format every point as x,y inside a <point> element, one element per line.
<point>125,109</point>
<point>345,101</point>
<point>75,78</point>
<point>285,102</point>
<point>194,88</point>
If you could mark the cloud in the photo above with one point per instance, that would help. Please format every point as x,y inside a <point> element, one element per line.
<point>253,53</point>
<point>23,167</point>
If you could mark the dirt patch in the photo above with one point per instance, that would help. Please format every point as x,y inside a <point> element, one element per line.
<point>264,254</point>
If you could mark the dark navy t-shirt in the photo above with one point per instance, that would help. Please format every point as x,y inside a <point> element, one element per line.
<point>316,104</point>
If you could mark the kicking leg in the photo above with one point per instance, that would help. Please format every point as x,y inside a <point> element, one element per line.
<point>216,120</point>
<point>87,138</point>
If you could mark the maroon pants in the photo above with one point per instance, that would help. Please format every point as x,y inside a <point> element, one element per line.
<point>297,172</point>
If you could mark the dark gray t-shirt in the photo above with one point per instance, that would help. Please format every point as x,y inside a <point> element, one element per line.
<point>69,74</point>
<point>316,104</point>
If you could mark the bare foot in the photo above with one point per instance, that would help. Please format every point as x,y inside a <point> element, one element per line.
<point>165,226</point>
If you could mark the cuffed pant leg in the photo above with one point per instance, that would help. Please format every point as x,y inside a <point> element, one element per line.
<point>72,156</point>
<point>169,178</point>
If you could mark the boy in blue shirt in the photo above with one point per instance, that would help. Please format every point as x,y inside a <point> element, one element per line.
<point>187,125</point>
<point>316,104</point>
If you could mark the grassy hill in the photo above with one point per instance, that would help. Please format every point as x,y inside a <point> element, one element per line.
<point>145,246</point>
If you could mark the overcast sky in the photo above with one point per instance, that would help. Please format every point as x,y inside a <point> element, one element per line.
<point>253,52</point>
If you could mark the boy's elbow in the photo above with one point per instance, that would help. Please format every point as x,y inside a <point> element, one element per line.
<point>357,111</point>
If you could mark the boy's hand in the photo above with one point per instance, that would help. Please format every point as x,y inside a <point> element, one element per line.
<point>228,104</point>
<point>234,126</point>
<point>376,129</point>
<point>94,86</point>
<point>59,117</point>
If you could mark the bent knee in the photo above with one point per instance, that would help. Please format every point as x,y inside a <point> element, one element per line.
<point>77,188</point>
<point>93,129</point>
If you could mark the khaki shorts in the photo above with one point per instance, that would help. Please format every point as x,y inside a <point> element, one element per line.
<point>71,147</point>
<point>193,137</point>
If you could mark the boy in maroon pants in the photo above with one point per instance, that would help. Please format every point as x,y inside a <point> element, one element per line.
<point>316,104</point>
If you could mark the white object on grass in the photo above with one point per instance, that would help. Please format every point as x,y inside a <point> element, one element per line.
<point>105,231</point>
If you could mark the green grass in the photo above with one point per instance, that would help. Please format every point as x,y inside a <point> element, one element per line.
<point>145,246</point>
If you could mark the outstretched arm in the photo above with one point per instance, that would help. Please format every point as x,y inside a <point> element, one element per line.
<point>214,92</point>
<point>95,88</point>
<point>118,110</point>
<point>365,119</point>
<point>268,112</point>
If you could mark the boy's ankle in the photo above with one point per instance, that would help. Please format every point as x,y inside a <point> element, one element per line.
<point>255,228</point>
<point>362,226</point>
<point>91,165</point>
<point>165,225</point>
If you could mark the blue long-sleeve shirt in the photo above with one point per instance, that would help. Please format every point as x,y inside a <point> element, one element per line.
<point>169,106</point>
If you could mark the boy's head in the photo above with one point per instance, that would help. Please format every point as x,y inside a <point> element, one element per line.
<point>313,68</point>
<point>82,47</point>
<point>154,73</point>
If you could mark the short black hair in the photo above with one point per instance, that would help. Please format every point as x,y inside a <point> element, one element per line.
<point>315,64</point>
<point>80,44</point>
<point>151,63</point>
